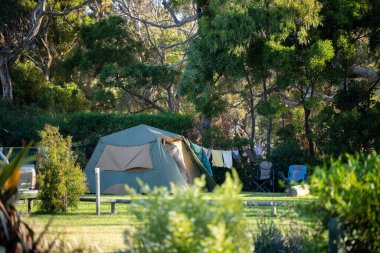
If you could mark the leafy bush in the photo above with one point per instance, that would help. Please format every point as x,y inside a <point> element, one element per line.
<point>17,122</point>
<point>292,238</point>
<point>61,179</point>
<point>347,131</point>
<point>31,88</point>
<point>348,190</point>
<point>188,221</point>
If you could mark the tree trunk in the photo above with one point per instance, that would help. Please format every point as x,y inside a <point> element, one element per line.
<point>308,133</point>
<point>48,59</point>
<point>5,79</point>
<point>253,121</point>
<point>206,123</point>
<point>170,97</point>
<point>252,113</point>
<point>269,131</point>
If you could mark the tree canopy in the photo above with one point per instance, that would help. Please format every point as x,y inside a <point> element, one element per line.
<point>252,68</point>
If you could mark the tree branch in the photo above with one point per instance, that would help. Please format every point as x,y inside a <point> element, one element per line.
<point>64,13</point>
<point>155,106</point>
<point>179,43</point>
<point>177,23</point>
<point>170,10</point>
<point>38,13</point>
<point>365,73</point>
<point>287,101</point>
<point>178,63</point>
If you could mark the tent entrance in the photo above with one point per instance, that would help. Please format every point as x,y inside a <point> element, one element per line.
<point>177,148</point>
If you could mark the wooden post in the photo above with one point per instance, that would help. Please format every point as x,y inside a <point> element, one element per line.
<point>30,205</point>
<point>274,211</point>
<point>113,207</point>
<point>335,235</point>
<point>97,180</point>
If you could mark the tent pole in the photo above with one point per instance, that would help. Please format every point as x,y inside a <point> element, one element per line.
<point>97,180</point>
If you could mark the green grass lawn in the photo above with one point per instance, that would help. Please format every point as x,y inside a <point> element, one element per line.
<point>106,232</point>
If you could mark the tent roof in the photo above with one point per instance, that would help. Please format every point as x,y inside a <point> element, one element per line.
<point>135,136</point>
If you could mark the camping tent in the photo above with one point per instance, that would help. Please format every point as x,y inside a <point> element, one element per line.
<point>155,156</point>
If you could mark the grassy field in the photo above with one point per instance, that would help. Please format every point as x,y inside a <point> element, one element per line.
<point>106,232</point>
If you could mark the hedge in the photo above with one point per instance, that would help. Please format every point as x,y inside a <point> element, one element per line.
<point>85,127</point>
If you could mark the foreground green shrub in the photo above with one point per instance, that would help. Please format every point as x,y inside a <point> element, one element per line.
<point>61,179</point>
<point>349,190</point>
<point>188,221</point>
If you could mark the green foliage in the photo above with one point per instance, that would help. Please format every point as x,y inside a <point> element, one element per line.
<point>339,132</point>
<point>30,88</point>
<point>61,180</point>
<point>11,11</point>
<point>318,54</point>
<point>104,42</point>
<point>355,96</point>
<point>18,122</point>
<point>89,127</point>
<point>188,221</point>
<point>269,108</point>
<point>348,189</point>
<point>216,137</point>
<point>286,133</point>
<point>352,15</point>
<point>136,76</point>
<point>290,238</point>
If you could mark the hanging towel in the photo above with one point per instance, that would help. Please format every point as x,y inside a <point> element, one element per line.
<point>236,155</point>
<point>208,152</point>
<point>259,150</point>
<point>217,158</point>
<point>227,158</point>
<point>249,154</point>
<point>198,150</point>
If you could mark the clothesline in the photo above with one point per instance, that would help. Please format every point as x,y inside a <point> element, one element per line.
<point>224,158</point>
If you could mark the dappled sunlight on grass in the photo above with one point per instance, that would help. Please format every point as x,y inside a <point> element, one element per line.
<point>107,231</point>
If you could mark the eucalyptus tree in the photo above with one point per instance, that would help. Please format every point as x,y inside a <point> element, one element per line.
<point>21,23</point>
<point>57,36</point>
<point>250,41</point>
<point>350,123</point>
<point>100,43</point>
<point>163,41</point>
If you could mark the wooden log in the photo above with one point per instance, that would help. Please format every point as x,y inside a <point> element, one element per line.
<point>267,203</point>
<point>299,190</point>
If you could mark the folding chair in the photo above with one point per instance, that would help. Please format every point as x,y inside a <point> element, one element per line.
<point>296,173</point>
<point>263,180</point>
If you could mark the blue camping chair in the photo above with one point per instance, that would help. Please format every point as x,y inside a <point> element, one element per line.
<point>296,173</point>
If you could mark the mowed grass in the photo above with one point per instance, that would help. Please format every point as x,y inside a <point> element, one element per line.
<point>107,232</point>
